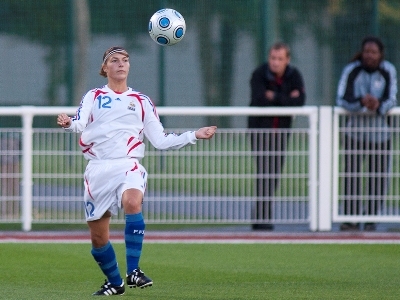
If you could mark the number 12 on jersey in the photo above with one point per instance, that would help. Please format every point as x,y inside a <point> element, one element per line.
<point>104,101</point>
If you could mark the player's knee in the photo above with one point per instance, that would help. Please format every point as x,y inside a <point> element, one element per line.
<point>132,205</point>
<point>132,201</point>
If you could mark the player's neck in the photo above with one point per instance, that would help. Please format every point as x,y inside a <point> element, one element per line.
<point>117,86</point>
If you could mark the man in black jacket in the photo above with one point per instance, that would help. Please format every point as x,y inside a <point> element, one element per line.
<point>274,83</point>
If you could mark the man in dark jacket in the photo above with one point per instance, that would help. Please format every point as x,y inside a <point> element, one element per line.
<point>275,83</point>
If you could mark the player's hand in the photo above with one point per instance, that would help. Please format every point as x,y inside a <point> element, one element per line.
<point>206,132</point>
<point>63,120</point>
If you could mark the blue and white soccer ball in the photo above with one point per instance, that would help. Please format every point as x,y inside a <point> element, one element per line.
<point>167,27</point>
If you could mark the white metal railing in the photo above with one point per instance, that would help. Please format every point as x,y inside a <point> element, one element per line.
<point>382,194</point>
<point>331,198</point>
<point>211,182</point>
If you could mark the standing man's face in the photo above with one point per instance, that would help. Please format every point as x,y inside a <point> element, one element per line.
<point>278,61</point>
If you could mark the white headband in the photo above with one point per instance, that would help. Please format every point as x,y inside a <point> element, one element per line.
<point>113,52</point>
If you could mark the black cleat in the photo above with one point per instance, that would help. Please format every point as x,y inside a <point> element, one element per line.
<point>137,279</point>
<point>108,289</point>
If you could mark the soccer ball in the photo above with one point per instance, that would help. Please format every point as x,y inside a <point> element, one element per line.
<point>167,27</point>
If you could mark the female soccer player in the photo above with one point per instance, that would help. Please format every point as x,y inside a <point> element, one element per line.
<point>113,121</point>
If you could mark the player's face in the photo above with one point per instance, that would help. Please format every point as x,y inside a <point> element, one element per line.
<point>278,61</point>
<point>117,67</point>
<point>371,55</point>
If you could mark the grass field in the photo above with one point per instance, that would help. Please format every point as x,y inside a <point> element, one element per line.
<point>209,271</point>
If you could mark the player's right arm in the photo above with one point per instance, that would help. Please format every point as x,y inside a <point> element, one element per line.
<point>63,120</point>
<point>78,122</point>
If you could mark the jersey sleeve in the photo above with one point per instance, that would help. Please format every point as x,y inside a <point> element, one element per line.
<point>154,130</point>
<point>81,118</point>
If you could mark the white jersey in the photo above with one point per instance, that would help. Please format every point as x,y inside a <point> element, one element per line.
<point>113,125</point>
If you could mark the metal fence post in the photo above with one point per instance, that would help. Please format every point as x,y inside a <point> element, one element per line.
<point>313,159</point>
<point>325,168</point>
<point>27,122</point>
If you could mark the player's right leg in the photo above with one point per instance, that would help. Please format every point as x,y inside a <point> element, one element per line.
<point>100,203</point>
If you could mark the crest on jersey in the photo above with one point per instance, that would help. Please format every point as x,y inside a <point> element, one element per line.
<point>131,106</point>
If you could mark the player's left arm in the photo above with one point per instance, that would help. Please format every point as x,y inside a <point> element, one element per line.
<point>206,132</point>
<point>155,133</point>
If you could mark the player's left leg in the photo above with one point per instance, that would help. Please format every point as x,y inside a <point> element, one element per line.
<point>134,234</point>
